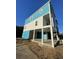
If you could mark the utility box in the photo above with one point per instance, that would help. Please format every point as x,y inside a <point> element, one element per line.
<point>45,37</point>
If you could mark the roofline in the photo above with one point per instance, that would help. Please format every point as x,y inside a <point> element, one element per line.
<point>37,10</point>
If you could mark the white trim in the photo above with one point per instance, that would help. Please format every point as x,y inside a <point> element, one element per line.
<point>48,26</point>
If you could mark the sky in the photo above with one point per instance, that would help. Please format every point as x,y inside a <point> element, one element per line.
<point>24,9</point>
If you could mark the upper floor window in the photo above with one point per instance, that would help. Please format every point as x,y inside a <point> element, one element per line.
<point>36,23</point>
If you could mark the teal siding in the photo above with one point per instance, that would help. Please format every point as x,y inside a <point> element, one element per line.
<point>25,35</point>
<point>40,12</point>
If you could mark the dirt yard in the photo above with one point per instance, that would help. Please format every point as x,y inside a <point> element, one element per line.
<point>32,50</point>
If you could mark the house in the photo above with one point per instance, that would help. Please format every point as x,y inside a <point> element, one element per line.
<point>41,26</point>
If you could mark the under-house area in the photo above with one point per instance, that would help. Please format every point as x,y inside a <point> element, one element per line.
<point>44,37</point>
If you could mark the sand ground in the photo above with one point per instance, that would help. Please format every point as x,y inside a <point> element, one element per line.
<point>32,50</point>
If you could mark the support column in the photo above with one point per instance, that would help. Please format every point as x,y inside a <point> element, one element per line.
<point>57,37</point>
<point>52,36</point>
<point>33,35</point>
<point>51,24</point>
<point>42,36</point>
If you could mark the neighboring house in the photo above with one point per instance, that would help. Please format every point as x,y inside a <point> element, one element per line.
<point>42,26</point>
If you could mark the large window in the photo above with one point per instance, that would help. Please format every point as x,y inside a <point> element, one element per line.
<point>46,20</point>
<point>38,35</point>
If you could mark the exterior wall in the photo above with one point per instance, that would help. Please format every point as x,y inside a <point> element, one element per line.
<point>37,16</point>
<point>32,26</point>
<point>25,35</point>
<point>40,12</point>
